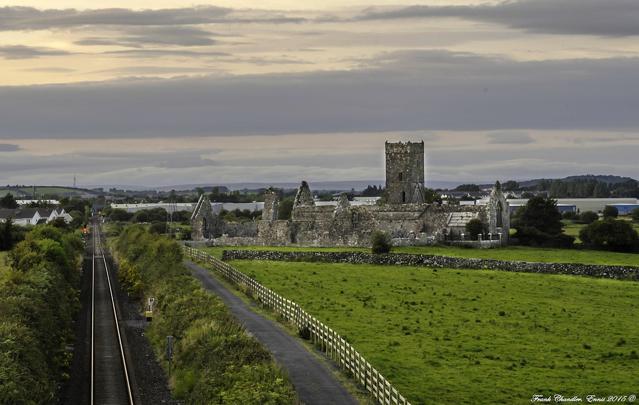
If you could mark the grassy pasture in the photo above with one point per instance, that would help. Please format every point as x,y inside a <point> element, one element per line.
<point>508,253</point>
<point>470,336</point>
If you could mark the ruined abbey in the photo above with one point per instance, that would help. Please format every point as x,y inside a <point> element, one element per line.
<point>402,212</point>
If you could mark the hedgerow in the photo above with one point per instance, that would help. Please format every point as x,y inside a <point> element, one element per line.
<point>215,360</point>
<point>39,297</point>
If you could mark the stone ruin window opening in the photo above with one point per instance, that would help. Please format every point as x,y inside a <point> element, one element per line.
<point>401,176</point>
<point>403,196</point>
<point>500,214</point>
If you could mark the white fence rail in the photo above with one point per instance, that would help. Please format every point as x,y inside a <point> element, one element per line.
<point>335,347</point>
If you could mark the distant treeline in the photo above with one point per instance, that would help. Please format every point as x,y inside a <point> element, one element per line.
<point>588,187</point>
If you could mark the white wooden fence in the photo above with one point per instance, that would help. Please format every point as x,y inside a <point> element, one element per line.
<point>335,347</point>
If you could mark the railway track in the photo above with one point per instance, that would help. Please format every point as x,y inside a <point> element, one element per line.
<point>110,382</point>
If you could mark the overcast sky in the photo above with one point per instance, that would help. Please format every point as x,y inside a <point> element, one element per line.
<point>284,90</point>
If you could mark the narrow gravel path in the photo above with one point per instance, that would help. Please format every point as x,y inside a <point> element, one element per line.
<point>313,381</point>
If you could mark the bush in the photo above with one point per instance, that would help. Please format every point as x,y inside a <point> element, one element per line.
<point>304,332</point>
<point>610,234</point>
<point>570,215</point>
<point>588,217</point>
<point>475,227</point>
<point>381,242</point>
<point>158,228</point>
<point>635,215</point>
<point>215,360</point>
<point>610,212</point>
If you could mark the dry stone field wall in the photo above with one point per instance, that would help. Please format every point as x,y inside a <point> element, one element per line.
<point>601,271</point>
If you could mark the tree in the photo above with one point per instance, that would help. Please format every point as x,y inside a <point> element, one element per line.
<point>610,212</point>
<point>6,235</point>
<point>538,223</point>
<point>8,201</point>
<point>119,215</point>
<point>468,187</point>
<point>635,215</point>
<point>285,208</point>
<point>475,227</point>
<point>381,242</point>
<point>510,185</point>
<point>610,234</point>
<point>588,217</point>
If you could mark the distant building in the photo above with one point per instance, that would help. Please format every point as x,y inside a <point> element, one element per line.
<point>402,213</point>
<point>624,209</point>
<point>34,216</point>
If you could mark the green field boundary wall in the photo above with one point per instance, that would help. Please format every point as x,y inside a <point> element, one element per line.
<point>432,261</point>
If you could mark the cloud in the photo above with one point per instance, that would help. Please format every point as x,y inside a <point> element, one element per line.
<point>159,70</point>
<point>159,53</point>
<point>511,137</point>
<point>50,69</point>
<point>611,18</point>
<point>28,52</point>
<point>404,91</point>
<point>29,18</point>
<point>8,147</point>
<point>180,36</point>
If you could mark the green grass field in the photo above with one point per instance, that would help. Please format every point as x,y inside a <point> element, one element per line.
<point>470,336</point>
<point>509,253</point>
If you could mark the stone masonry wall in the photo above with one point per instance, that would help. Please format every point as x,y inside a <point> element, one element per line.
<point>601,271</point>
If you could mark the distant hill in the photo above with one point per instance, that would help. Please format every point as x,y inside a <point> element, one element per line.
<point>608,179</point>
<point>26,192</point>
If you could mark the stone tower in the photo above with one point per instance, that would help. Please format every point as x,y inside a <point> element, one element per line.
<point>405,172</point>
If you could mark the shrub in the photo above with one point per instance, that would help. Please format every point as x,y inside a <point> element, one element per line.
<point>610,212</point>
<point>588,217</point>
<point>635,215</point>
<point>381,242</point>
<point>304,332</point>
<point>158,228</point>
<point>475,227</point>
<point>610,234</point>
